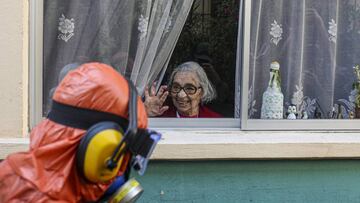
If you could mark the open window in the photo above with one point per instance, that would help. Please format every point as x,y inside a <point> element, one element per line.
<point>210,38</point>
<point>204,40</point>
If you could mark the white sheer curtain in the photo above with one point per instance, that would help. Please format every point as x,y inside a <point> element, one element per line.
<point>317,44</point>
<point>165,19</point>
<point>136,37</point>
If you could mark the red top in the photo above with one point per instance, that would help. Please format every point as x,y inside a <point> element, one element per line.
<point>204,112</point>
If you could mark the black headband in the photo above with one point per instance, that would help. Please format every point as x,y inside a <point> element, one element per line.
<point>80,117</point>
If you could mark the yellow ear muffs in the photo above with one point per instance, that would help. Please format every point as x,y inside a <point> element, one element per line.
<point>96,148</point>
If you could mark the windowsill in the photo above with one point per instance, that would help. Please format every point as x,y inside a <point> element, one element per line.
<point>234,144</point>
<point>186,144</point>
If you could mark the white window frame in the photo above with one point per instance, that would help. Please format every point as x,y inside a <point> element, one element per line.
<point>35,61</point>
<point>183,143</point>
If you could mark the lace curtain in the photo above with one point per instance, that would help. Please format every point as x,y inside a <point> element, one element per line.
<point>136,37</point>
<point>317,44</point>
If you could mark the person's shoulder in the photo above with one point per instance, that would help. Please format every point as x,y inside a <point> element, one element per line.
<point>206,112</point>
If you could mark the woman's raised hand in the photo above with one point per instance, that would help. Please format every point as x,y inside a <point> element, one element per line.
<point>154,101</point>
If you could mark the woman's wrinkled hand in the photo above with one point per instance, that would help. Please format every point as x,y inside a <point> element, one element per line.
<point>154,101</point>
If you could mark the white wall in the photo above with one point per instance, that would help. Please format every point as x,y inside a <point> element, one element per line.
<point>13,67</point>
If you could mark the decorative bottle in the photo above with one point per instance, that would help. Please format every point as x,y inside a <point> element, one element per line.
<point>273,100</point>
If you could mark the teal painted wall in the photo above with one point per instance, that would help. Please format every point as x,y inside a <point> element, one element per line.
<point>252,181</point>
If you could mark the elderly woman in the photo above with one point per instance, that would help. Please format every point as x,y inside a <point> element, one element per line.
<point>189,89</point>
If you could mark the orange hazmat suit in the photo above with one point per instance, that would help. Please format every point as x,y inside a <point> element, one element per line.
<point>47,171</point>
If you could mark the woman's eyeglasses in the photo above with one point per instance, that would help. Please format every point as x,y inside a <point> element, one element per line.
<point>188,89</point>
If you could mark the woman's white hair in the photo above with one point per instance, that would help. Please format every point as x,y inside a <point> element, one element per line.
<point>209,92</point>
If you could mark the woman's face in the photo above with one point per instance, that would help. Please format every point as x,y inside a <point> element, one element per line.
<point>188,97</point>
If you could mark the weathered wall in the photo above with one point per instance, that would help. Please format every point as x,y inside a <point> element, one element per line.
<point>252,181</point>
<point>13,62</point>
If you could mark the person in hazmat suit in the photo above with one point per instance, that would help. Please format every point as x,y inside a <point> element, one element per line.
<point>95,132</point>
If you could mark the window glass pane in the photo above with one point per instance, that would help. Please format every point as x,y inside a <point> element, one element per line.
<point>302,55</point>
<point>134,37</point>
<point>209,38</point>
